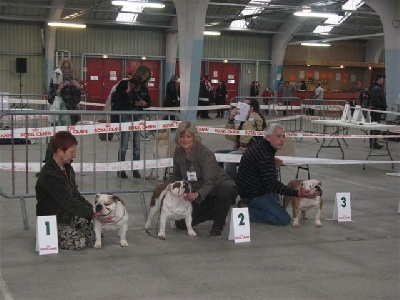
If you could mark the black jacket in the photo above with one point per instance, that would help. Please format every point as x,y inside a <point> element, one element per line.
<point>57,194</point>
<point>123,101</point>
<point>377,97</point>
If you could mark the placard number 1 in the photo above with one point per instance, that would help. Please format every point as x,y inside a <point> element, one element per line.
<point>241,217</point>
<point>343,202</point>
<point>47,223</point>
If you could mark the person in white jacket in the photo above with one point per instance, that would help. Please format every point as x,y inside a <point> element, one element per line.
<point>319,93</point>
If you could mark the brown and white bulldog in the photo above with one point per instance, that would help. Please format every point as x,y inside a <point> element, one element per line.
<point>110,207</point>
<point>169,201</point>
<point>304,204</point>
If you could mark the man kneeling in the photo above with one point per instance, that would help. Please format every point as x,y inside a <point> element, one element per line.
<point>258,182</point>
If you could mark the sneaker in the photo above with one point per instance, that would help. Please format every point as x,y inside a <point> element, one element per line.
<point>216,230</point>
<point>136,174</point>
<point>122,175</point>
<point>180,224</point>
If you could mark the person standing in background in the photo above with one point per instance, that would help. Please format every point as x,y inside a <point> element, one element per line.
<point>303,86</point>
<point>287,92</point>
<point>205,96</point>
<point>254,89</point>
<point>68,88</point>
<point>319,93</point>
<point>377,102</point>
<point>131,94</point>
<point>364,98</point>
<point>171,96</point>
<point>220,97</point>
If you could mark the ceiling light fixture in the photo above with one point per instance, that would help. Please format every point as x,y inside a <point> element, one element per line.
<point>215,33</point>
<point>311,14</point>
<point>316,44</point>
<point>138,3</point>
<point>69,25</point>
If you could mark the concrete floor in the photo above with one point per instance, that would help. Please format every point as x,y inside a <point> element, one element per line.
<point>352,260</point>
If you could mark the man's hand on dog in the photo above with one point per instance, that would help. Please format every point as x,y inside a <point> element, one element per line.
<point>98,216</point>
<point>303,193</point>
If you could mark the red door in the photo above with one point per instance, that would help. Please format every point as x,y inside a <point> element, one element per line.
<point>229,72</point>
<point>154,82</point>
<point>101,75</point>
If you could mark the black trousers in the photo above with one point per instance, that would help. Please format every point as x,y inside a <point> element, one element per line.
<point>215,207</point>
<point>375,117</point>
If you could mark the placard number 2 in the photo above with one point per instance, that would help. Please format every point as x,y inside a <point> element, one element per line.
<point>343,202</point>
<point>241,217</point>
<point>47,223</point>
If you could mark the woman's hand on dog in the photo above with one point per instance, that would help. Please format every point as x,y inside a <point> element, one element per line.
<point>191,197</point>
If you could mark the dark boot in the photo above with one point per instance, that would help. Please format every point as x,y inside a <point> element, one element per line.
<point>216,230</point>
<point>122,174</point>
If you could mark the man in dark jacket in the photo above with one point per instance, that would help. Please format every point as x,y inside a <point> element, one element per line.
<point>377,102</point>
<point>57,194</point>
<point>258,182</point>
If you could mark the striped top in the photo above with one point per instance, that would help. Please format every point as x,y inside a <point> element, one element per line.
<point>257,173</point>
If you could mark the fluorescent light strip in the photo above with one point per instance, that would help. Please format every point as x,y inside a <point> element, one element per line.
<point>313,14</point>
<point>69,25</point>
<point>212,33</point>
<point>316,44</point>
<point>138,3</point>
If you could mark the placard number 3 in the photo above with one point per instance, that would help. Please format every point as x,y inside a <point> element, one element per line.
<point>343,202</point>
<point>47,224</point>
<point>241,217</point>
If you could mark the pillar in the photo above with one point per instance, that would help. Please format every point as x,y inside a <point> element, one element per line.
<point>191,23</point>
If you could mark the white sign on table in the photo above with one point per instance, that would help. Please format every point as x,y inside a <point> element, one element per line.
<point>239,229</point>
<point>342,208</point>
<point>46,235</point>
<point>358,115</point>
<point>346,116</point>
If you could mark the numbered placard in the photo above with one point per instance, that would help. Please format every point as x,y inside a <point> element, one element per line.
<point>239,229</point>
<point>46,235</point>
<point>346,116</point>
<point>358,115</point>
<point>342,208</point>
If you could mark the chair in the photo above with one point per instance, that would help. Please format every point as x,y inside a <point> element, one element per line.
<point>288,150</point>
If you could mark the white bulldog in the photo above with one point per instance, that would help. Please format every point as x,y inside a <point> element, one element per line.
<point>304,204</point>
<point>169,201</point>
<point>113,208</point>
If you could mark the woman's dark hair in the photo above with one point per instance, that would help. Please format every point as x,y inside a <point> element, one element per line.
<point>141,75</point>
<point>62,140</point>
<point>256,108</point>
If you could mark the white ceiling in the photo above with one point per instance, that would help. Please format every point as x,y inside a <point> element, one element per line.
<point>363,24</point>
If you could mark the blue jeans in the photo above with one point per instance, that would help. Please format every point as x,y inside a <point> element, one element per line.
<point>124,140</point>
<point>267,209</point>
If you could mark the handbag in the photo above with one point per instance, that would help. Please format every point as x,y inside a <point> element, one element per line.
<point>59,104</point>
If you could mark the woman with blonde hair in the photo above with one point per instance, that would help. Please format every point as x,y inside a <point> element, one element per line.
<point>212,191</point>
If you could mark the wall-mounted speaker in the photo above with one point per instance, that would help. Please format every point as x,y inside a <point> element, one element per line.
<point>21,65</point>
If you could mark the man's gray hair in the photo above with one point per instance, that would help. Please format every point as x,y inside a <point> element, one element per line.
<point>271,128</point>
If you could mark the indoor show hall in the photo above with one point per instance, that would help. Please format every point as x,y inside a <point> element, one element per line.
<point>353,255</point>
